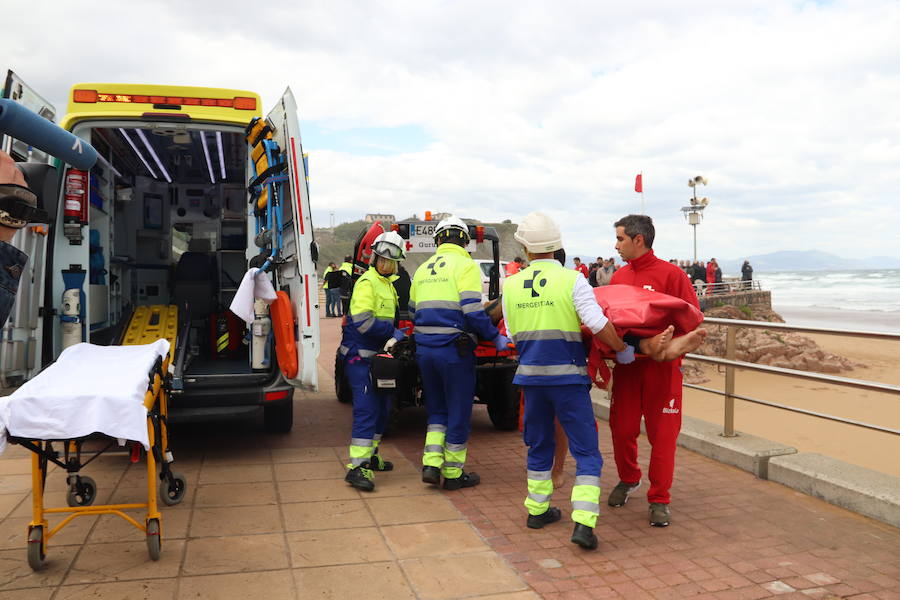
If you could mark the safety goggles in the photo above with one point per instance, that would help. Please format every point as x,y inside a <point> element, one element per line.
<point>388,250</point>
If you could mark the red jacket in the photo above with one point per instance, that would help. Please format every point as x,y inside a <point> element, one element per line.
<point>658,275</point>
<point>512,268</point>
<point>710,272</point>
<point>582,268</point>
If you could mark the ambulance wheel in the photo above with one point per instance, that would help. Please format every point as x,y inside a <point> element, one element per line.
<point>36,556</point>
<point>341,384</point>
<point>83,492</point>
<point>154,541</point>
<point>173,493</point>
<point>279,418</point>
<point>503,402</point>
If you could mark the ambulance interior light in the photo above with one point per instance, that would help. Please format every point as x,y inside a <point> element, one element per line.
<point>221,153</point>
<point>212,178</point>
<point>138,152</point>
<point>153,154</point>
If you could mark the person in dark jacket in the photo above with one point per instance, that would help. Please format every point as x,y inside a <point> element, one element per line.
<point>746,275</point>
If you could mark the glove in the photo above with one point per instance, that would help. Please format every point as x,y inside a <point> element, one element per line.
<point>501,342</point>
<point>392,341</point>
<point>626,356</point>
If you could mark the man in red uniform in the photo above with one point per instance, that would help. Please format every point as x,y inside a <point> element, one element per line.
<point>580,267</point>
<point>514,267</point>
<point>645,387</point>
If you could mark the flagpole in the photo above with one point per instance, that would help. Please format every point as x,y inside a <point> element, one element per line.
<point>642,193</point>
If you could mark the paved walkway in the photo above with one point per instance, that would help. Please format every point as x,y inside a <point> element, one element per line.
<point>271,514</point>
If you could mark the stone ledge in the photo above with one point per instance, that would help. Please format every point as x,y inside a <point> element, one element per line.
<point>747,452</point>
<point>861,490</point>
<point>856,488</point>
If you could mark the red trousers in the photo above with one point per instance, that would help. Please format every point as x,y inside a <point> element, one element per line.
<point>652,390</point>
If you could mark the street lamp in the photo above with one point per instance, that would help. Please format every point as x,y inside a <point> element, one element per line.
<point>694,212</point>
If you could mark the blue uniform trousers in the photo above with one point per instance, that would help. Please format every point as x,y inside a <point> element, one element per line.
<point>448,381</point>
<point>370,409</point>
<point>571,404</point>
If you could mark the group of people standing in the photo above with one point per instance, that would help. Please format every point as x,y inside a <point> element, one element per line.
<point>337,282</point>
<point>544,306</point>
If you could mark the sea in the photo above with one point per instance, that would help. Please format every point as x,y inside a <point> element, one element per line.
<point>854,299</point>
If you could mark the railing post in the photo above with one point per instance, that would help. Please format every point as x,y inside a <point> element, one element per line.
<point>730,344</point>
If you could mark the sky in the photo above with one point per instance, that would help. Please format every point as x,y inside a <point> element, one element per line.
<point>490,110</point>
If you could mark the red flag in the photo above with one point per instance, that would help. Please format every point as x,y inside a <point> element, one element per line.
<point>639,183</point>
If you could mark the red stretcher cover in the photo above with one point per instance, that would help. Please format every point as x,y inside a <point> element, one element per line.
<point>640,312</point>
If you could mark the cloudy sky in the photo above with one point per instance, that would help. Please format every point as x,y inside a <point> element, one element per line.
<point>493,109</point>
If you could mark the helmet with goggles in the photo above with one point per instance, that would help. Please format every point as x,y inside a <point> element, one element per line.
<point>389,245</point>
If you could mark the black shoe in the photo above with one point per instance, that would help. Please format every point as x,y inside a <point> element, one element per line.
<point>361,478</point>
<point>376,463</point>
<point>584,536</point>
<point>552,515</point>
<point>431,475</point>
<point>466,480</point>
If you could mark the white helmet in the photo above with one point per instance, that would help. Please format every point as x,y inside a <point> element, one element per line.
<point>449,224</point>
<point>389,245</point>
<point>538,233</point>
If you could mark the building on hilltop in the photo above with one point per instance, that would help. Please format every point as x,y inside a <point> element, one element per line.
<point>372,217</point>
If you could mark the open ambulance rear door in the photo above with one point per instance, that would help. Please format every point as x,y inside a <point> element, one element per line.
<point>297,274</point>
<point>21,337</point>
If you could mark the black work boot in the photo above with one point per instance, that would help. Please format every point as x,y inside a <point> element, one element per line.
<point>361,478</point>
<point>431,475</point>
<point>584,536</point>
<point>376,463</point>
<point>465,480</point>
<point>552,515</point>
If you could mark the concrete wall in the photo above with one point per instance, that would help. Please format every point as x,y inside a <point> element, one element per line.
<point>763,297</point>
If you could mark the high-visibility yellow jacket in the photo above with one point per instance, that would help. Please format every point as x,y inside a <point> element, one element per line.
<point>445,299</point>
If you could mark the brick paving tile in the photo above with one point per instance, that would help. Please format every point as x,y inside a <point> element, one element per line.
<point>257,504</point>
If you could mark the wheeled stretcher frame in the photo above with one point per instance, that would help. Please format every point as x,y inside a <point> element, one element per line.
<point>83,489</point>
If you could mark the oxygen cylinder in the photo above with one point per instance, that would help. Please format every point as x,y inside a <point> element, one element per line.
<point>260,329</point>
<point>70,322</point>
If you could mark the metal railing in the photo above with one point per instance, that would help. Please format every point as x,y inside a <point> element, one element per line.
<point>728,286</point>
<point>731,365</point>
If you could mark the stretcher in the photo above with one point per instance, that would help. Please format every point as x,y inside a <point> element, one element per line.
<point>118,391</point>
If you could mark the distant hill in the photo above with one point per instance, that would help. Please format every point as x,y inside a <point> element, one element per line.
<point>808,260</point>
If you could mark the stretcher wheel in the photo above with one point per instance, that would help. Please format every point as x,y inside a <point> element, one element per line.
<point>154,541</point>
<point>83,492</point>
<point>171,492</point>
<point>36,554</point>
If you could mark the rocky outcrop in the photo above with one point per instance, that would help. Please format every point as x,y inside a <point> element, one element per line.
<point>775,348</point>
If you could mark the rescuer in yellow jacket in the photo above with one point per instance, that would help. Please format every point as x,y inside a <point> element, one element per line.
<point>367,328</point>
<point>544,306</point>
<point>445,303</point>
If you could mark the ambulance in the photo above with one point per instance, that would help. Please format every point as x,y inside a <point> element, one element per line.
<point>193,186</point>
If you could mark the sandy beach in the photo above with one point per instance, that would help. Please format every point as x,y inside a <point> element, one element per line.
<point>852,444</point>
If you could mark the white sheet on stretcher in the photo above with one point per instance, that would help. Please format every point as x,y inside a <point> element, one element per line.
<point>88,389</point>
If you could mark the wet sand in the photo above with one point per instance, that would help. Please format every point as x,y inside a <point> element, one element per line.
<point>864,447</point>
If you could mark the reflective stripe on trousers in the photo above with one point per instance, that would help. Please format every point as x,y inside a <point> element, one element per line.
<point>454,460</point>
<point>540,488</point>
<point>586,500</point>
<point>361,451</point>
<point>434,446</point>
